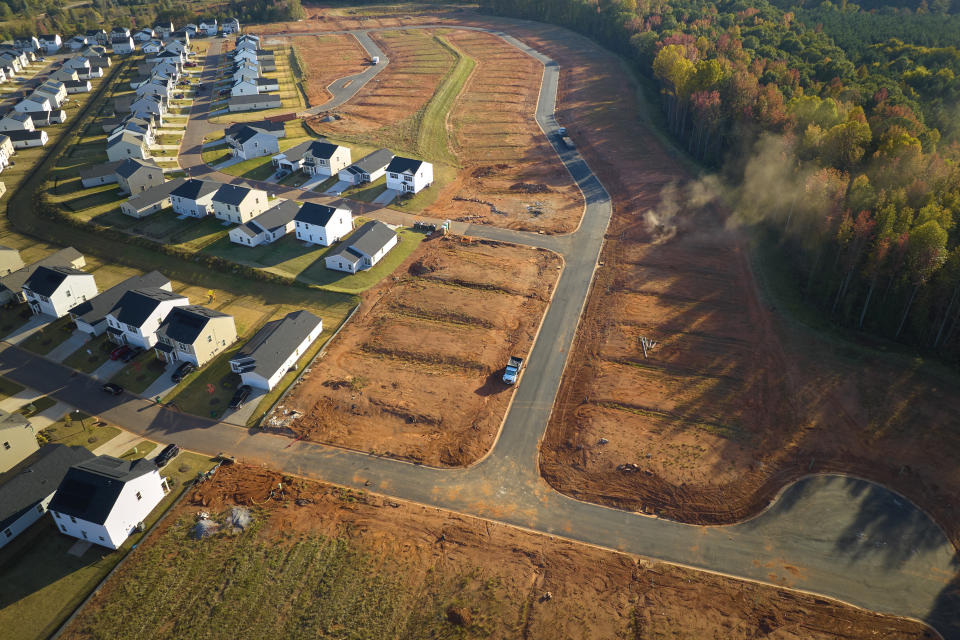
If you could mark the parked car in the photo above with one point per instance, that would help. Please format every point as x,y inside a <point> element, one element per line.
<point>240,397</point>
<point>182,371</point>
<point>112,389</point>
<point>119,352</point>
<point>168,453</point>
<point>133,353</point>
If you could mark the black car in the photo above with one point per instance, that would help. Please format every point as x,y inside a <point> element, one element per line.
<point>240,397</point>
<point>133,353</point>
<point>112,389</point>
<point>169,453</point>
<point>182,371</point>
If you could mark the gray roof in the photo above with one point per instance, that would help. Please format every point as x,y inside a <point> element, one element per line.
<point>313,213</point>
<point>401,165</point>
<point>345,253</point>
<point>134,307</point>
<point>14,281</point>
<point>233,194</point>
<point>276,216</point>
<point>90,489</point>
<point>131,165</point>
<point>246,132</point>
<point>96,309</point>
<point>24,135</point>
<point>155,194</point>
<point>371,237</point>
<point>265,125</point>
<point>46,280</point>
<point>263,97</point>
<point>185,324</point>
<point>99,170</point>
<point>270,347</point>
<point>373,161</point>
<point>34,478</point>
<point>195,188</point>
<point>295,153</point>
<point>126,136</point>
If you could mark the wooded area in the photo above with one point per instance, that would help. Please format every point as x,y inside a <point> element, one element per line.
<point>849,155</point>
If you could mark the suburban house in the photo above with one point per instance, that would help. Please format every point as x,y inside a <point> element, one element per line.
<point>191,29</point>
<point>194,197</point>
<point>126,145</point>
<point>91,316</point>
<point>194,334</point>
<point>235,203</point>
<point>230,26</point>
<point>76,63</point>
<point>277,129</point>
<point>152,200</point>
<point>98,36</point>
<point>119,32</point>
<point>143,35</point>
<point>252,142</point>
<point>163,30</point>
<point>34,102</point>
<point>55,90</point>
<point>182,36</point>
<point>367,168</point>
<point>408,175</point>
<point>6,151</point>
<point>78,86</point>
<point>99,61</point>
<point>153,46</point>
<point>27,139</point>
<point>208,27</point>
<point>104,499</point>
<point>29,43</point>
<point>27,489</point>
<point>50,43</point>
<point>156,87</point>
<point>10,260</point>
<point>150,104</point>
<point>136,176</point>
<point>244,87</point>
<point>267,84</point>
<point>77,42</point>
<point>54,291</point>
<point>11,285</point>
<point>275,349</point>
<point>65,75</point>
<point>99,174</point>
<point>17,440</point>
<point>48,117</point>
<point>321,224</point>
<point>137,315</point>
<point>123,46</point>
<point>254,103</point>
<point>274,223</point>
<point>325,159</point>
<point>364,248</point>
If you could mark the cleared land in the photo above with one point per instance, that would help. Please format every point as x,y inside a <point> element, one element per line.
<point>317,561</point>
<point>323,59</point>
<point>416,373</point>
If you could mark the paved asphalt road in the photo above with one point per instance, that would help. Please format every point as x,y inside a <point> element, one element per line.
<point>831,535</point>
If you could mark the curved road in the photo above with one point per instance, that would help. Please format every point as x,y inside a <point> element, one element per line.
<point>831,535</point>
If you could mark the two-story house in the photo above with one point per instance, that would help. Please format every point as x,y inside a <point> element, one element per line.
<point>367,168</point>
<point>126,145</point>
<point>274,223</point>
<point>252,142</point>
<point>407,175</point>
<point>325,159</point>
<point>194,198</point>
<point>235,203</point>
<point>136,176</point>
<point>322,224</point>
<point>137,315</point>
<point>17,439</point>
<point>194,334</point>
<point>104,499</point>
<point>55,290</point>
<point>91,316</point>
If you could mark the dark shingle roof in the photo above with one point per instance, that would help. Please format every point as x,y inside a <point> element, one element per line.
<point>313,213</point>
<point>270,347</point>
<point>15,281</point>
<point>154,194</point>
<point>46,280</point>
<point>371,237</point>
<point>376,160</point>
<point>345,253</point>
<point>131,165</point>
<point>90,489</point>
<point>401,165</point>
<point>296,153</point>
<point>134,307</point>
<point>278,215</point>
<point>99,170</point>
<point>34,478</point>
<point>194,188</point>
<point>320,149</point>
<point>264,125</point>
<point>185,324</point>
<point>245,132</point>
<point>232,194</point>
<point>24,135</point>
<point>96,309</point>
<point>263,97</point>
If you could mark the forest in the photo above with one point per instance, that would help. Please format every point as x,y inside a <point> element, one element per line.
<point>845,156</point>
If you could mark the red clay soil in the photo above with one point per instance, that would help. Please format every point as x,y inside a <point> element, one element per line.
<point>326,58</point>
<point>593,593</point>
<point>416,373</point>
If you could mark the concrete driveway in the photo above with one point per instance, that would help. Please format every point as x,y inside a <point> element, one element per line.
<point>30,327</point>
<point>162,385</point>
<point>335,190</point>
<point>240,416</point>
<point>108,369</point>
<point>386,197</point>
<point>68,346</point>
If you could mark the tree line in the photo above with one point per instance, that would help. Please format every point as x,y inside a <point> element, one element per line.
<point>847,156</point>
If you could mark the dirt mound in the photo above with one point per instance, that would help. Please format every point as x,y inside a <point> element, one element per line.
<point>526,187</point>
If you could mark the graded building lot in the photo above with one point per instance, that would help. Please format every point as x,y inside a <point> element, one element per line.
<point>416,372</point>
<point>325,59</point>
<point>315,560</point>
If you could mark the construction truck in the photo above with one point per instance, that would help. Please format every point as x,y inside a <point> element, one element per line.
<point>512,373</point>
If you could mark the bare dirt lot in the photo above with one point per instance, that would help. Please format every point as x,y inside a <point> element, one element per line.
<point>416,373</point>
<point>325,59</point>
<point>317,560</point>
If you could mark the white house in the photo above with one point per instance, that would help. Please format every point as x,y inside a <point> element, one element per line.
<point>77,62</point>
<point>367,168</point>
<point>230,26</point>
<point>55,90</point>
<point>18,440</point>
<point>26,494</point>
<point>54,291</point>
<point>245,88</point>
<point>90,74</point>
<point>252,142</point>
<point>274,223</point>
<point>153,105</point>
<point>194,198</point>
<point>152,200</point>
<point>98,36</point>
<point>119,32</point>
<point>28,139</point>
<point>408,175</point>
<point>323,225</point>
<point>6,152</point>
<point>77,42</point>
<point>29,43</point>
<point>91,316</point>
<point>50,43</point>
<point>325,159</point>
<point>33,102</point>
<point>105,499</point>
<point>78,86</point>
<point>208,27</point>
<point>254,103</point>
<point>365,248</point>
<point>126,145</point>
<point>65,75</point>
<point>17,121</point>
<point>137,315</point>
<point>275,349</point>
<point>143,35</point>
<point>153,46</point>
<point>123,46</point>
<point>235,203</point>
<point>99,174</point>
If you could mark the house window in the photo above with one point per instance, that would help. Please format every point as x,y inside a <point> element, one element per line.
<point>84,534</point>
<point>63,528</point>
<point>39,508</point>
<point>73,520</point>
<point>8,533</point>
<point>101,538</point>
<point>139,496</point>
<point>6,445</point>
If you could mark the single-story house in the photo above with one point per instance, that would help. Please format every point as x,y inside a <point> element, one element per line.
<point>367,168</point>
<point>365,248</point>
<point>194,334</point>
<point>254,103</point>
<point>322,224</point>
<point>48,117</point>
<point>151,200</point>
<point>27,139</point>
<point>27,489</point>
<point>104,499</point>
<point>272,224</point>
<point>194,197</point>
<point>17,440</point>
<point>91,316</point>
<point>408,175</point>
<point>54,291</point>
<point>98,174</point>
<point>236,203</point>
<point>275,349</point>
<point>267,84</point>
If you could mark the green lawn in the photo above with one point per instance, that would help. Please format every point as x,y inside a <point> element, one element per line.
<point>51,336</point>
<point>79,429</point>
<point>318,274</point>
<point>366,192</point>
<point>92,355</point>
<point>443,174</point>
<point>432,142</point>
<point>14,317</point>
<point>43,584</point>
<point>139,373</point>
<point>9,388</point>
<point>216,155</point>
<point>207,391</point>
<point>139,451</point>
<point>261,168</point>
<point>39,405</point>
